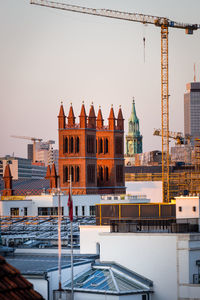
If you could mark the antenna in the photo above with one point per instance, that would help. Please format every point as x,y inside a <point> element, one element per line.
<point>194,72</point>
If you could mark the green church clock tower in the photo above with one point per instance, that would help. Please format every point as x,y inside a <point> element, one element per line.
<point>134,138</point>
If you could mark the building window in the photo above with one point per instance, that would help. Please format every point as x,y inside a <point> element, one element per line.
<point>91,173</point>
<point>106,145</point>
<point>119,174</point>
<point>25,211</point>
<point>77,174</point>
<point>65,174</point>
<point>118,145</point>
<point>83,211</point>
<point>144,297</point>
<point>77,145</point>
<point>71,145</point>
<point>180,208</point>
<point>76,211</point>
<point>49,211</point>
<point>14,211</point>
<point>72,173</point>
<point>90,144</point>
<point>101,173</point>
<point>101,146</point>
<point>106,174</point>
<point>194,208</point>
<point>66,145</point>
<point>92,210</point>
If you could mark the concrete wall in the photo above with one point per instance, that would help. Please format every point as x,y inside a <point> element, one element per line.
<point>169,260</point>
<point>65,276</point>
<point>187,203</point>
<point>89,238</point>
<point>39,285</point>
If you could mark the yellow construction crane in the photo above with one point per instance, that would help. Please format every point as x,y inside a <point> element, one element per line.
<point>178,136</point>
<point>164,24</point>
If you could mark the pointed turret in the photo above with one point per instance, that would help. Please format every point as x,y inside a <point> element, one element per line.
<point>92,117</point>
<point>83,117</point>
<point>61,117</point>
<point>53,177</point>
<point>134,121</point>
<point>99,119</point>
<point>120,120</point>
<point>71,117</point>
<point>48,173</point>
<point>7,182</point>
<point>111,119</point>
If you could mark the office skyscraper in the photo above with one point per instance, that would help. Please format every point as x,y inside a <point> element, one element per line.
<point>192,110</point>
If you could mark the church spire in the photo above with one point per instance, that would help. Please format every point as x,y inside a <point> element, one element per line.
<point>71,117</point>
<point>61,117</point>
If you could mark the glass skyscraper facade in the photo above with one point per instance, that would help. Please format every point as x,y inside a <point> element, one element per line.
<point>192,110</point>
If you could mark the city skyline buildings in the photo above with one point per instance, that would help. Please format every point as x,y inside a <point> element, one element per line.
<point>66,56</point>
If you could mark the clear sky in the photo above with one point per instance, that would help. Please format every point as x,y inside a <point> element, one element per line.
<point>49,55</point>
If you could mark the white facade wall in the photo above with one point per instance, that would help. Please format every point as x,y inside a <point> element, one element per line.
<point>90,238</point>
<point>186,204</point>
<point>65,276</point>
<point>169,260</point>
<point>39,285</point>
<point>6,205</point>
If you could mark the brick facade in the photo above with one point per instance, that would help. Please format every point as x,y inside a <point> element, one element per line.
<point>91,152</point>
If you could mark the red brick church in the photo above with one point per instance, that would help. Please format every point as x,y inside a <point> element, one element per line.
<point>91,152</point>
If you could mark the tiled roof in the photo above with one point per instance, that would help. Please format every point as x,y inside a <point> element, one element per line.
<point>27,186</point>
<point>13,285</point>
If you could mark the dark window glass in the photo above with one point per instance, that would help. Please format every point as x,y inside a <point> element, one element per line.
<point>118,145</point>
<point>83,210</point>
<point>180,208</point>
<point>77,145</point>
<point>72,174</point>
<point>106,145</point>
<point>71,144</point>
<point>119,174</point>
<point>194,208</point>
<point>91,173</point>
<point>90,144</point>
<point>101,146</point>
<point>92,210</point>
<point>106,171</point>
<point>66,145</point>
<point>77,173</point>
<point>65,174</point>
<point>76,211</point>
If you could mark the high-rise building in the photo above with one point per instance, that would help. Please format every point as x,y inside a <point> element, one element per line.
<point>192,110</point>
<point>91,152</point>
<point>30,151</point>
<point>134,138</point>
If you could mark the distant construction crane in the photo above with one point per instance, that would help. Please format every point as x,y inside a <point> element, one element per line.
<point>178,136</point>
<point>164,24</point>
<point>34,140</point>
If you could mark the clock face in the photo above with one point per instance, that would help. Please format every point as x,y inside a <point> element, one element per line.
<point>130,147</point>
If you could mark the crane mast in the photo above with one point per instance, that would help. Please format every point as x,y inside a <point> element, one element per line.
<point>162,22</point>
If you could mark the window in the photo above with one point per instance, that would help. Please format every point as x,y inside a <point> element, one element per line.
<point>106,173</point>
<point>49,211</point>
<point>91,173</point>
<point>119,174</point>
<point>65,174</point>
<point>14,211</point>
<point>92,210</point>
<point>180,208</point>
<point>144,297</point>
<point>101,146</point>
<point>72,174</point>
<point>90,144</point>
<point>25,211</point>
<point>76,211</point>
<point>77,145</point>
<point>77,174</point>
<point>83,210</point>
<point>118,145</point>
<point>101,173</point>
<point>66,145</point>
<point>194,208</point>
<point>71,144</point>
<point>106,145</point>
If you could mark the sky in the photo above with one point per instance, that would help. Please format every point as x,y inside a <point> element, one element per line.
<point>48,56</point>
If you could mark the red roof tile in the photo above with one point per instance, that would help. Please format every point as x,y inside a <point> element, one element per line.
<point>13,285</point>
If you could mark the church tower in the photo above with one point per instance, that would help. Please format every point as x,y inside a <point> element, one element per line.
<point>134,138</point>
<point>91,152</point>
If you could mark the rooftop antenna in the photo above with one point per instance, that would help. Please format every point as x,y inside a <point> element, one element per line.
<point>194,72</point>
